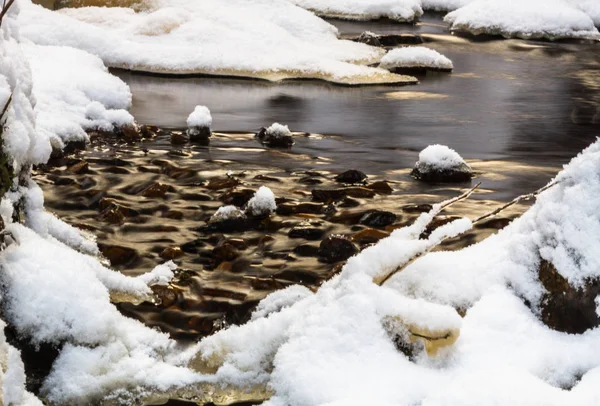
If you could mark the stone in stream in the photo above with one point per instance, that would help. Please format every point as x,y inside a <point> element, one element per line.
<point>227,182</point>
<point>156,190</point>
<point>378,218</point>
<point>238,197</point>
<point>118,255</point>
<point>178,138</point>
<point>79,167</point>
<point>289,208</point>
<point>199,122</point>
<point>567,308</point>
<point>129,132</point>
<point>381,187</point>
<point>228,219</point>
<point>351,176</point>
<point>336,248</point>
<point>440,164</point>
<point>388,40</point>
<point>225,252</point>
<point>306,230</point>
<point>306,250</point>
<point>333,195</point>
<point>171,253</point>
<point>369,236</point>
<point>276,136</point>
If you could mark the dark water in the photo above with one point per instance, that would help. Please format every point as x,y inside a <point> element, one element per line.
<point>534,103</point>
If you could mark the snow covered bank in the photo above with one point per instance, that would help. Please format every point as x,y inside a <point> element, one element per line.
<point>549,19</point>
<point>271,39</point>
<point>399,10</point>
<point>444,5</point>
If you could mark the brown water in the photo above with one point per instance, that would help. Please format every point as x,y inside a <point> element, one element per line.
<point>516,110</point>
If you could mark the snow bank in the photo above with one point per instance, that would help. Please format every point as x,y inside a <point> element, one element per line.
<point>262,203</point>
<point>415,57</point>
<point>339,341</point>
<point>399,10</point>
<point>550,19</point>
<point>444,5</point>
<point>200,117</point>
<point>590,7</point>
<point>75,92</point>
<point>271,39</point>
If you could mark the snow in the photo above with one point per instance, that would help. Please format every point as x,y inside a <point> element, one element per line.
<point>440,157</point>
<point>271,39</point>
<point>415,57</point>
<point>200,117</point>
<point>399,10</point>
<point>262,203</point>
<point>590,7</point>
<point>444,5</point>
<point>278,130</point>
<point>75,92</point>
<point>551,19</point>
<point>227,213</point>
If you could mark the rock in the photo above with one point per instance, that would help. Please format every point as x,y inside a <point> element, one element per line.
<point>369,38</point>
<point>349,202</point>
<point>266,178</point>
<point>388,40</point>
<point>171,253</point>
<point>351,176</point>
<point>239,197</point>
<point>178,138</point>
<point>238,243</point>
<point>118,255</point>
<point>333,195</point>
<point>378,218</point>
<point>129,133</point>
<point>276,136</point>
<point>199,134</point>
<point>286,209</point>
<point>79,167</point>
<point>156,190</point>
<point>306,250</point>
<point>308,180</point>
<point>306,230</point>
<point>336,248</point>
<point>191,247</point>
<point>227,182</point>
<point>173,214</point>
<point>228,219</point>
<point>381,187</point>
<point>148,131</point>
<point>440,164</point>
<point>369,236</point>
<point>564,307</point>
<point>164,295</point>
<point>417,208</point>
<point>225,252</point>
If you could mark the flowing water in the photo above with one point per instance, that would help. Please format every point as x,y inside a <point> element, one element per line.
<point>516,110</point>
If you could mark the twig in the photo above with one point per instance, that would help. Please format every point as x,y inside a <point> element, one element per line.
<point>514,201</point>
<point>380,281</point>
<point>5,7</point>
<point>5,107</point>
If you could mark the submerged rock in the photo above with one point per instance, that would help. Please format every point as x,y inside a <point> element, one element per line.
<point>351,176</point>
<point>276,136</point>
<point>438,163</point>
<point>378,218</point>
<point>337,248</point>
<point>306,230</point>
<point>333,195</point>
<point>388,40</point>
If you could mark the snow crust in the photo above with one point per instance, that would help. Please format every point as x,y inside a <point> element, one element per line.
<point>400,10</point>
<point>200,117</point>
<point>262,203</point>
<point>273,39</point>
<point>440,157</point>
<point>550,19</point>
<point>415,57</point>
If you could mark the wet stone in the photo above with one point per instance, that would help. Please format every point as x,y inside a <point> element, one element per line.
<point>297,208</point>
<point>173,214</point>
<point>171,253</point>
<point>164,295</point>
<point>351,176</point>
<point>308,180</point>
<point>129,133</point>
<point>178,138</point>
<point>79,167</point>
<point>156,190</point>
<point>457,174</point>
<point>274,140</point>
<point>306,250</point>
<point>417,208</point>
<point>306,230</point>
<point>381,187</point>
<point>369,236</point>
<point>191,247</point>
<point>237,198</point>
<point>337,248</point>
<point>333,195</point>
<point>349,202</point>
<point>225,252</point>
<point>222,183</point>
<point>199,134</point>
<point>378,218</point>
<point>118,255</point>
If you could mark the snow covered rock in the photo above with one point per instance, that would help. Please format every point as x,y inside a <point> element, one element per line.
<point>415,59</point>
<point>199,122</point>
<point>548,19</point>
<point>399,10</point>
<point>262,203</point>
<point>276,136</point>
<point>220,37</point>
<point>438,163</point>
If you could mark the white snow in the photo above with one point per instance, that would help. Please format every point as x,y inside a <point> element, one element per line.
<point>75,92</point>
<point>590,7</point>
<point>278,130</point>
<point>227,213</point>
<point>272,39</point>
<point>262,203</point>
<point>440,157</point>
<point>399,10</point>
<point>550,19</point>
<point>200,117</point>
<point>444,5</point>
<point>415,57</point>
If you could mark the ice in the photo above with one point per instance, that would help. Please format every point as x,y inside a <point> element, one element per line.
<point>271,39</point>
<point>262,203</point>
<point>415,57</point>
<point>399,10</point>
<point>550,19</point>
<point>200,117</point>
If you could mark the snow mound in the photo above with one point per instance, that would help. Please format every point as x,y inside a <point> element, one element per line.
<point>415,57</point>
<point>200,117</point>
<point>440,157</point>
<point>75,92</point>
<point>278,130</point>
<point>226,213</point>
<point>399,10</point>
<point>549,19</point>
<point>590,7</point>
<point>262,203</point>
<point>271,39</point>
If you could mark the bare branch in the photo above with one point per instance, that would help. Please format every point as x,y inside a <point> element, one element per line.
<point>5,107</point>
<point>5,7</point>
